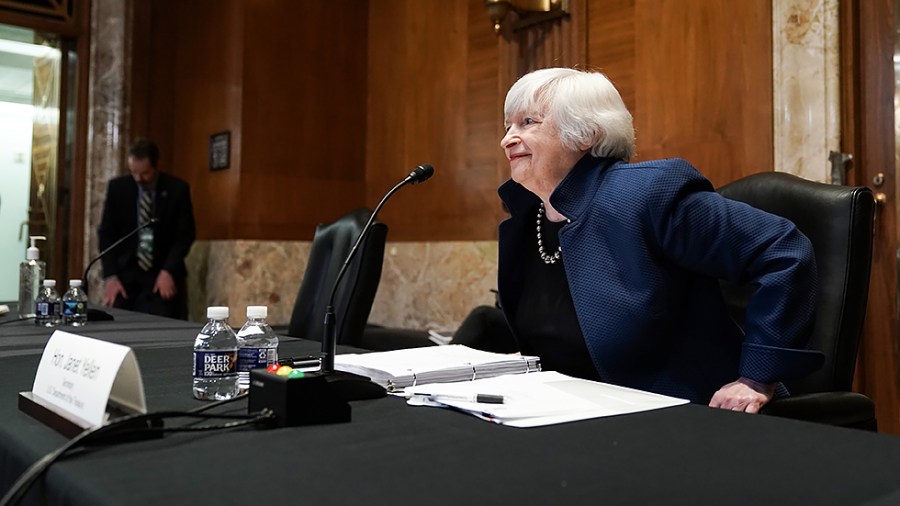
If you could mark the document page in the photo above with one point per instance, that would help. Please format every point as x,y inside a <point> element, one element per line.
<point>542,398</point>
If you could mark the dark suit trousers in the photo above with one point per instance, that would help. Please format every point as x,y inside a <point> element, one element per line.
<point>139,287</point>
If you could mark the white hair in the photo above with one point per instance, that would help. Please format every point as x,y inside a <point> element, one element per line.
<point>585,107</point>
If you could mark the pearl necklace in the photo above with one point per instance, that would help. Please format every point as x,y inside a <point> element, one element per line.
<point>548,259</point>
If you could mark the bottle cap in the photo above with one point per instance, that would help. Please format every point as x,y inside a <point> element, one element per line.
<point>33,253</point>
<point>50,282</point>
<point>74,283</point>
<point>257,311</point>
<point>217,312</point>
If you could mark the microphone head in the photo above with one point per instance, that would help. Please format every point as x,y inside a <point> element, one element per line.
<point>421,173</point>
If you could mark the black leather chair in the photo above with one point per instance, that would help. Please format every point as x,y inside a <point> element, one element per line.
<point>353,300</point>
<point>839,221</point>
<point>485,328</point>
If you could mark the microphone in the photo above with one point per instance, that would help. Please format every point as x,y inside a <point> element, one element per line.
<point>96,314</point>
<point>321,396</point>
<point>420,174</point>
<point>329,340</point>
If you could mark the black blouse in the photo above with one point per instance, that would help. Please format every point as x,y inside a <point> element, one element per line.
<point>545,320</point>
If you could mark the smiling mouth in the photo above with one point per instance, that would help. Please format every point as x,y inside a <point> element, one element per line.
<point>517,156</point>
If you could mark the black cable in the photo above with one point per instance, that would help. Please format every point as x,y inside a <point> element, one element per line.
<point>216,404</point>
<point>18,489</point>
<point>17,320</point>
<point>219,403</point>
<point>21,486</point>
<point>239,422</point>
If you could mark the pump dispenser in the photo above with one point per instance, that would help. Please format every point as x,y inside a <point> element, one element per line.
<point>31,275</point>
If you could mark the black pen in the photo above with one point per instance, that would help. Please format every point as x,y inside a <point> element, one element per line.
<point>480,398</point>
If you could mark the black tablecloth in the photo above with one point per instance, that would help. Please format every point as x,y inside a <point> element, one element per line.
<point>392,453</point>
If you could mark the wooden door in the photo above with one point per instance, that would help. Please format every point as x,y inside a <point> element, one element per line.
<point>867,49</point>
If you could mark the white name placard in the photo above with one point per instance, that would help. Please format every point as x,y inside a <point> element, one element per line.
<point>80,376</point>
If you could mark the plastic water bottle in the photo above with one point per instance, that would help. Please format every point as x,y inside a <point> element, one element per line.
<point>74,305</point>
<point>215,358</point>
<point>257,345</point>
<point>46,305</point>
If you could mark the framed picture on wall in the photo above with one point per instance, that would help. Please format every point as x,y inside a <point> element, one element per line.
<point>219,150</point>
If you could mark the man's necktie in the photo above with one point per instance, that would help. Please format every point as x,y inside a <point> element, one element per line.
<point>145,245</point>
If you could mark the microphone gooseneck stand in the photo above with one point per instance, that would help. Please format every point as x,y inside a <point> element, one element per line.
<point>99,314</point>
<point>353,386</point>
<point>322,396</point>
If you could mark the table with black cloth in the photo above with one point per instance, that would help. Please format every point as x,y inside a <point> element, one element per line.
<point>396,454</point>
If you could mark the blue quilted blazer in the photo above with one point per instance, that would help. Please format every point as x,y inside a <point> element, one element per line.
<point>643,255</point>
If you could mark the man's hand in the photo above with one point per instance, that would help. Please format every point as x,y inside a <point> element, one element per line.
<point>111,289</point>
<point>165,285</point>
<point>743,395</point>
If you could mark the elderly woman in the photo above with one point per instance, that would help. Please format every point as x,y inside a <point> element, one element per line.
<point>609,270</point>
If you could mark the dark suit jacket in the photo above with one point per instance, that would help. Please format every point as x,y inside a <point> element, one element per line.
<point>643,253</point>
<point>172,236</point>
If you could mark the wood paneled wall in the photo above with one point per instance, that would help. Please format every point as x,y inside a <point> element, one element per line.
<point>288,80</point>
<point>331,103</point>
<point>303,116</point>
<point>697,77</point>
<point>434,97</point>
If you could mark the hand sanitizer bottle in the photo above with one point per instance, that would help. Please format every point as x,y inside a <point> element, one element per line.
<point>31,276</point>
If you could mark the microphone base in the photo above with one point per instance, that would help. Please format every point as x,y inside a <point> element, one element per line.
<point>353,387</point>
<point>98,315</point>
<point>314,399</point>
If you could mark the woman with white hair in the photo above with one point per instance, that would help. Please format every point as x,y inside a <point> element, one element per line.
<point>610,270</point>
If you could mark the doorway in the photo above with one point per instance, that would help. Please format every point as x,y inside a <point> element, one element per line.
<point>30,64</point>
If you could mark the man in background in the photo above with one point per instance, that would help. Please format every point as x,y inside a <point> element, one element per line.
<point>146,272</point>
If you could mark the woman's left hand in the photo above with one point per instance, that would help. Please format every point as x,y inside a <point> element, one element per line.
<point>743,395</point>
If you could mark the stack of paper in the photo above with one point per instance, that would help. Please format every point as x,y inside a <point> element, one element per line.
<point>399,369</point>
<point>440,337</point>
<point>544,398</point>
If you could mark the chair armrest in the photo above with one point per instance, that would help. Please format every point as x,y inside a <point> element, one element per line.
<point>378,338</point>
<point>842,409</point>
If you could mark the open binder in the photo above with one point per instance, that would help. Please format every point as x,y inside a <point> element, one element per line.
<point>398,369</point>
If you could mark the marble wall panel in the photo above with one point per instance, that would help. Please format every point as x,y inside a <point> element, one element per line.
<point>434,284</point>
<point>806,86</point>
<point>107,113</point>
<point>238,274</point>
<point>423,284</point>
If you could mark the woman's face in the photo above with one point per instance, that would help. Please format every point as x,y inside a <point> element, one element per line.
<point>538,160</point>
